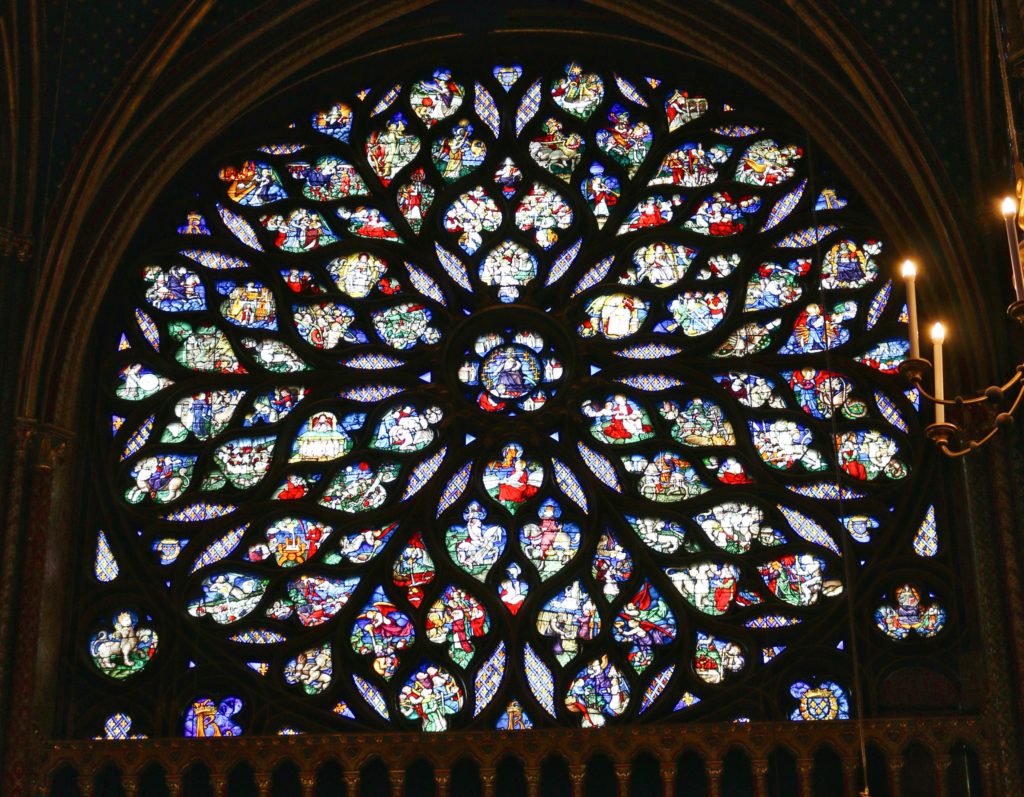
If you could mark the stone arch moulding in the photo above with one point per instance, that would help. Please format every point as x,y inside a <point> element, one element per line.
<point>169,115</point>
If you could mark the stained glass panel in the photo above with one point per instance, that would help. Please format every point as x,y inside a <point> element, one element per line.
<point>562,354</point>
<point>910,615</point>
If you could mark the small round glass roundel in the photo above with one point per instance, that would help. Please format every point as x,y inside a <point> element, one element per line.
<point>510,372</point>
<point>515,371</point>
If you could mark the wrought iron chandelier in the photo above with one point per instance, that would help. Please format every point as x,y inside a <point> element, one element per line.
<point>951,438</point>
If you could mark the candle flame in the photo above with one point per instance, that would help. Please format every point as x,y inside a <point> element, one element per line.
<point>909,269</point>
<point>938,332</point>
<point>1009,207</point>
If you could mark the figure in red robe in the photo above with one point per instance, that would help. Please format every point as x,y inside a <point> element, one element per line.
<point>516,487</point>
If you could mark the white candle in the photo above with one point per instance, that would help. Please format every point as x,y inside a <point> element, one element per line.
<point>938,335</point>
<point>910,275</point>
<point>1009,209</point>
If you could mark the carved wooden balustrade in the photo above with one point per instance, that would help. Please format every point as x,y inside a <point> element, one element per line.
<point>941,757</point>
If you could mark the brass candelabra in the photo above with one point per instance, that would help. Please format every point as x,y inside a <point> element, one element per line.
<point>952,439</point>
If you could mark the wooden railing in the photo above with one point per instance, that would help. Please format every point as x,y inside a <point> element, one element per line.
<point>940,757</point>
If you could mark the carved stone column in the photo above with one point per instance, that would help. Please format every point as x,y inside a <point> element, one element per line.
<point>263,782</point>
<point>443,779</point>
<point>577,774</point>
<point>174,785</point>
<point>851,767</point>
<point>668,779</point>
<point>760,767</point>
<point>352,779</point>
<point>993,540</point>
<point>895,765</point>
<point>532,781</point>
<point>622,776</point>
<point>20,481</point>
<point>219,780</point>
<point>714,769</point>
<point>29,541</point>
<point>308,783</point>
<point>87,784</point>
<point>397,779</point>
<point>805,769</point>
<point>942,764</point>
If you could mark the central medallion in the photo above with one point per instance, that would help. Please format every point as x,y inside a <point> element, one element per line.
<point>511,370</point>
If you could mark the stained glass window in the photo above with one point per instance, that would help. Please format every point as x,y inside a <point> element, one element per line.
<point>502,397</point>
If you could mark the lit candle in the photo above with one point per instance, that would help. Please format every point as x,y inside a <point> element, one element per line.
<point>910,274</point>
<point>1010,217</point>
<point>938,335</point>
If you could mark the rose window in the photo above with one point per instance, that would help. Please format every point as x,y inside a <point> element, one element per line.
<point>503,399</point>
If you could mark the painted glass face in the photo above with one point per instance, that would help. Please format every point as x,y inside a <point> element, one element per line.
<point>508,399</point>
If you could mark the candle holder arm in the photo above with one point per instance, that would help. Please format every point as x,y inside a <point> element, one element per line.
<point>945,434</point>
<point>993,393</point>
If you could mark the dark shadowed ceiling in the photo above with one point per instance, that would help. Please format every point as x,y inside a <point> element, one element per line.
<point>91,42</point>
